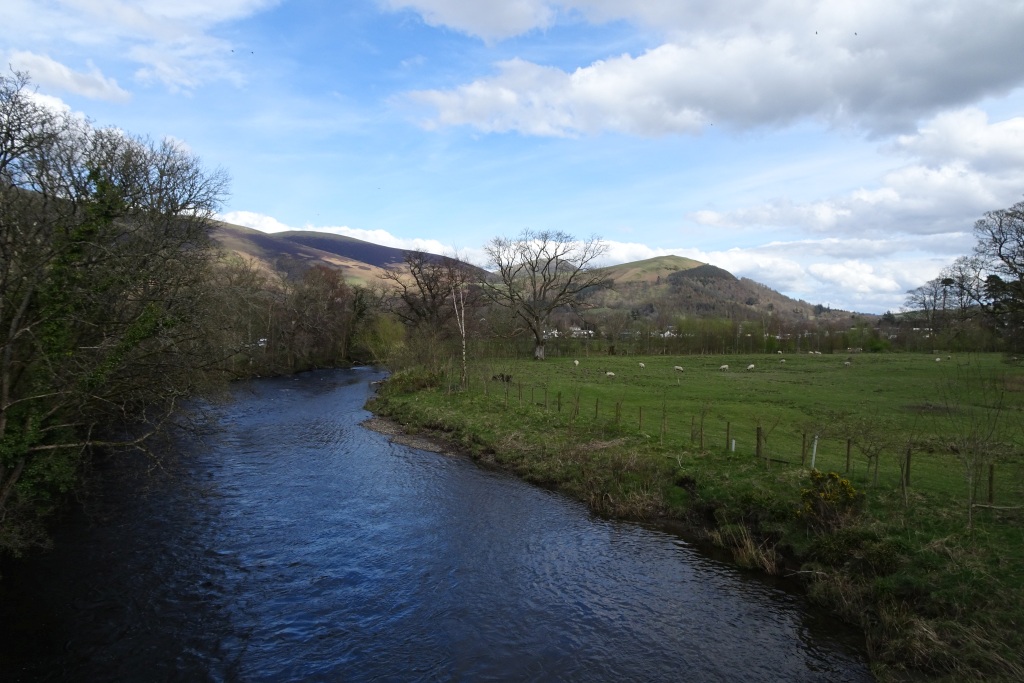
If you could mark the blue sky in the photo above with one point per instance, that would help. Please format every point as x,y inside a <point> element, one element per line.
<point>836,151</point>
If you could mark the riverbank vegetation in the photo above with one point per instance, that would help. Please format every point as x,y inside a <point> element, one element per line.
<point>116,307</point>
<point>891,484</point>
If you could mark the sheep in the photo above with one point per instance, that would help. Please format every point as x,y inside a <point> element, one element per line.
<point>750,367</point>
<point>779,352</point>
<point>642,366</point>
<point>783,360</point>
<point>847,364</point>
<point>724,367</point>
<point>609,374</point>
<point>678,368</point>
<point>576,363</point>
<point>938,360</point>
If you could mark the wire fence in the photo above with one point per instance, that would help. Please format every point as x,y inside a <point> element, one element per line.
<point>924,466</point>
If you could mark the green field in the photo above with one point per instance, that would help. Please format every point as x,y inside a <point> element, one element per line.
<point>936,582</point>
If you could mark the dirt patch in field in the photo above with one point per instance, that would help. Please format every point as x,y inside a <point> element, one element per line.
<point>927,408</point>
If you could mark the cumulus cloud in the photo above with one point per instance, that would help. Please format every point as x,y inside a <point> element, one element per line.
<point>741,65</point>
<point>50,72</point>
<point>256,221</point>
<point>962,165</point>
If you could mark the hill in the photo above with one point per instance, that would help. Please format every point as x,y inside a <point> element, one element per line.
<point>659,289</point>
<point>293,252</point>
<point>650,270</point>
<point>666,287</point>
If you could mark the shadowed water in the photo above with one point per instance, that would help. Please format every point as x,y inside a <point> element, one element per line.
<point>297,545</point>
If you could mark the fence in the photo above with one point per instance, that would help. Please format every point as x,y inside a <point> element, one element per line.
<point>920,467</point>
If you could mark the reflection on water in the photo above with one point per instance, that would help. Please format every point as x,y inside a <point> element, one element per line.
<point>299,546</point>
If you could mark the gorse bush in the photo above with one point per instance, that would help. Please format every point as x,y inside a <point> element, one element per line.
<point>829,503</point>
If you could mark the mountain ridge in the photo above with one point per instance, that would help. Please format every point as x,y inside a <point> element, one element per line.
<point>657,288</point>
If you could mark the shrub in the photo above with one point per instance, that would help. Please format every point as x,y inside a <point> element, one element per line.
<point>829,503</point>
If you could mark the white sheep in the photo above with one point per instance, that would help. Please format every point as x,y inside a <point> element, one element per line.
<point>779,352</point>
<point>938,360</point>
<point>678,368</point>
<point>642,366</point>
<point>750,367</point>
<point>724,367</point>
<point>576,363</point>
<point>609,374</point>
<point>846,364</point>
<point>783,360</point>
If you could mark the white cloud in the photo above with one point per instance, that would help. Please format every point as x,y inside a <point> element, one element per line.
<point>875,66</point>
<point>49,72</point>
<point>968,135</point>
<point>854,276</point>
<point>256,221</point>
<point>964,165</point>
<point>488,20</point>
<point>171,43</point>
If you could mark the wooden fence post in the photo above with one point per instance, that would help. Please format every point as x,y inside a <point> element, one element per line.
<point>906,470</point>
<point>991,482</point>
<point>849,445</point>
<point>559,401</point>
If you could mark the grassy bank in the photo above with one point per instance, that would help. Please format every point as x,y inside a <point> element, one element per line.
<point>924,551</point>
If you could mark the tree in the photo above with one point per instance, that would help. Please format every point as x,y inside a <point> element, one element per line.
<point>104,294</point>
<point>540,272</point>
<point>1001,246</point>
<point>432,295</point>
<point>421,293</point>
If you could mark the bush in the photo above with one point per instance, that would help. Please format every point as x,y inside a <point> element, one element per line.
<point>829,503</point>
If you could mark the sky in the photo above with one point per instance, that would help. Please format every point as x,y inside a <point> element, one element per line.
<point>836,151</point>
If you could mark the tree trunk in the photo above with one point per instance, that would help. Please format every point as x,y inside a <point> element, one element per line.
<point>538,351</point>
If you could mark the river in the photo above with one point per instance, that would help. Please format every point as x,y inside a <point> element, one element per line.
<point>293,544</point>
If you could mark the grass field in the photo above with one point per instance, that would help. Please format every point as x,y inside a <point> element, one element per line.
<point>936,583</point>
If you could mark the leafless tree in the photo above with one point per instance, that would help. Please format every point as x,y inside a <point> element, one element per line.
<point>540,272</point>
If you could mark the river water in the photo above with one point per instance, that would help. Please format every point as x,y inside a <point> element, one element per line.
<point>296,545</point>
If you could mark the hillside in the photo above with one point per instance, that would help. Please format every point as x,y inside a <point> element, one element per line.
<point>293,252</point>
<point>651,270</point>
<point>658,289</point>
<point>665,287</point>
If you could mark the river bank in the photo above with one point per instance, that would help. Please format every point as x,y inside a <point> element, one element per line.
<point>874,560</point>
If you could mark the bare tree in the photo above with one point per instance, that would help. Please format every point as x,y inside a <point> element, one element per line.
<point>540,272</point>
<point>420,292</point>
